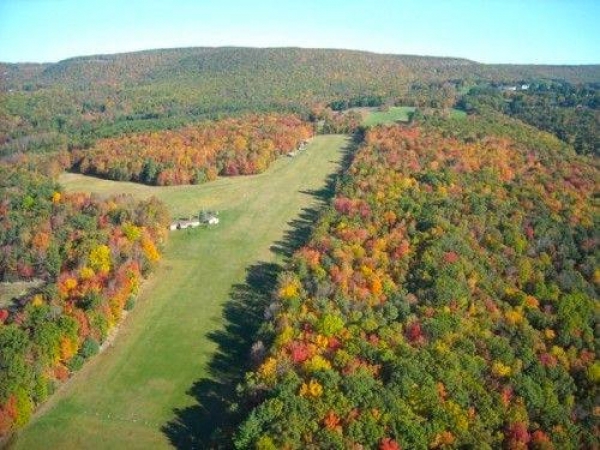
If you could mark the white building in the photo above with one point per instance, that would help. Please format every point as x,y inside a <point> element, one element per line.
<point>183,224</point>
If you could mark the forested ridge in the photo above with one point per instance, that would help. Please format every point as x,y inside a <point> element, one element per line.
<point>447,298</point>
<point>72,103</point>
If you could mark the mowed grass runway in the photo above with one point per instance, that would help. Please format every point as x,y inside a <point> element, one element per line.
<point>125,396</point>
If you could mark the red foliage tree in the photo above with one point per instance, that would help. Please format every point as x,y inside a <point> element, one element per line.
<point>389,444</point>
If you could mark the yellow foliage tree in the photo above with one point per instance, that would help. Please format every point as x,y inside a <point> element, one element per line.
<point>500,370</point>
<point>86,273</point>
<point>150,250</point>
<point>317,362</point>
<point>100,260</point>
<point>70,284</point>
<point>132,231</point>
<point>37,300</point>
<point>289,289</point>
<point>268,369</point>
<point>67,348</point>
<point>311,389</point>
<point>514,316</point>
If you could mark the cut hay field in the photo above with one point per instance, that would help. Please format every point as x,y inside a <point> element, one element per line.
<point>164,380</point>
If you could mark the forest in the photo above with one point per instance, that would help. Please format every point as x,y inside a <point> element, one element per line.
<point>447,298</point>
<point>195,154</point>
<point>73,103</point>
<point>86,256</point>
<point>89,256</point>
<point>571,112</point>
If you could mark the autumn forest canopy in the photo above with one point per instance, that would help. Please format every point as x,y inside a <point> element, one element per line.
<point>74,102</point>
<point>446,295</point>
<point>446,298</point>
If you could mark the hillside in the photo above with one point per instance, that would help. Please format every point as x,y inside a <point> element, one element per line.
<point>51,106</point>
<point>447,299</point>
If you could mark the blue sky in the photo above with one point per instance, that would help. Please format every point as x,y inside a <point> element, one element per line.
<point>491,31</point>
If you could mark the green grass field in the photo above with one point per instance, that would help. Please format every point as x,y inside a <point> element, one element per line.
<point>392,115</point>
<point>162,371</point>
<point>395,114</point>
<point>457,114</point>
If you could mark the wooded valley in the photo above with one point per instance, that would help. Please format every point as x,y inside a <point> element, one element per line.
<point>443,293</point>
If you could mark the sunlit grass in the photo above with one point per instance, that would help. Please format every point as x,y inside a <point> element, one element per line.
<point>123,397</point>
<point>389,116</point>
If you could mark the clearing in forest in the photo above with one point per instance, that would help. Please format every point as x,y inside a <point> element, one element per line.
<point>391,115</point>
<point>186,339</point>
<point>395,114</point>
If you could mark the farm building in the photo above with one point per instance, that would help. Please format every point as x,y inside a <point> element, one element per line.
<point>183,224</point>
<point>204,218</point>
<point>208,217</point>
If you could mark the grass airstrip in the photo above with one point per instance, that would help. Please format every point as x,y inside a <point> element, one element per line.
<point>142,385</point>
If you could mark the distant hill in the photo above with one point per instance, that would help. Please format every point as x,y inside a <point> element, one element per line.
<point>154,65</point>
<point>47,106</point>
<point>329,65</point>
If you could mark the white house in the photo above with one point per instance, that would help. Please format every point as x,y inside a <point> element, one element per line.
<point>183,224</point>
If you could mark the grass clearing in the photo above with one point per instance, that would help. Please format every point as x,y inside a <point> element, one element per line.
<point>457,114</point>
<point>373,117</point>
<point>125,396</point>
<point>392,115</point>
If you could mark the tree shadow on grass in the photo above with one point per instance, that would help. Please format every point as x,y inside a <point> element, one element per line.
<point>211,421</point>
<point>301,227</point>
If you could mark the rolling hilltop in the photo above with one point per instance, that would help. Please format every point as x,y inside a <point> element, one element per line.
<point>48,106</point>
<point>277,64</point>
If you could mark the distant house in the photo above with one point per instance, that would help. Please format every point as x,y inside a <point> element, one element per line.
<point>513,88</point>
<point>183,224</point>
<point>204,218</point>
<point>209,218</point>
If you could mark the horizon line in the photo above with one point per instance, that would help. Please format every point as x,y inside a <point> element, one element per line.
<point>191,47</point>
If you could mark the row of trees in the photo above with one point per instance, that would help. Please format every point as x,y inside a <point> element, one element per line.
<point>90,256</point>
<point>195,154</point>
<point>445,299</point>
